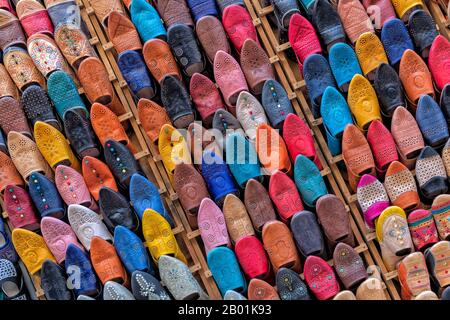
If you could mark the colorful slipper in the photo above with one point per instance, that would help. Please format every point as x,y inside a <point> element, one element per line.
<point>87,224</point>
<point>318,77</point>
<point>152,117</point>
<point>349,266</point>
<point>78,263</point>
<point>231,294</point>
<point>371,289</point>
<point>401,187</point>
<point>238,25</point>
<point>7,250</point>
<point>147,21</point>
<point>211,224</point>
<point>344,63</point>
<point>122,33</point>
<point>58,235</point>
<point>345,295</point>
<point>103,8</point>
<point>8,87</point>
<point>307,234</point>
<point>54,282</point>
<point>396,40</point>
<point>146,287</point>
<point>389,89</point>
<point>79,132</point>
<point>97,175</point>
<point>320,278</point>
<point>11,33</point>
<point>276,103</point>
<point>309,181</point>
<point>250,114</point>
<point>38,106</point>
<point>327,22</point>
<point>437,258</point>
<point>174,12</point>
<point>21,68</point>
<point>206,97</point>
<point>261,290</point>
<point>354,19</point>
<point>440,210</point>
<point>116,210</point>
<point>252,257</point>
<point>159,59</point>
<point>222,4</point>
<point>283,11</point>
<point>19,207</point>
<point>200,140</point>
<point>115,291</point>
<point>284,195</point>
<point>370,52</point>
<point>431,122</point>
<point>413,276</point>
<point>121,161</point>
<point>237,220</point>
<point>271,150</point>
<point>431,174</point>
<point>280,246</point>
<point>422,228</point>
<point>439,61</point>
<point>225,123</point>
<point>176,101</point>
<point>423,30</point>
<point>202,8</point>
<point>212,36</point>
<point>372,198</point>
<point>9,174</point>
<point>133,68</point>
<point>379,11</point>
<point>106,262</point>
<point>290,286</point>
<point>445,102</point>
<point>13,117</point>
<point>72,188</point>
<point>62,12</point>
<point>382,145</point>
<point>402,7</point>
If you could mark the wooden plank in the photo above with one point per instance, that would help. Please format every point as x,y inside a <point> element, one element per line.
<point>439,13</point>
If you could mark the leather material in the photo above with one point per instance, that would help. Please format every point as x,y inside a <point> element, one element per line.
<point>403,6</point>
<point>8,173</point>
<point>72,188</point>
<point>379,11</point>
<point>217,176</point>
<point>441,212</point>
<point>87,224</point>
<point>178,279</point>
<point>61,12</point>
<point>415,76</point>
<point>21,68</point>
<point>261,290</point>
<point>202,8</point>
<point>345,295</point>
<point>7,88</point>
<point>357,155</point>
<point>290,286</point>
<point>147,21</point>
<point>145,195</point>
<point>6,5</point>
<point>258,204</point>
<point>393,236</point>
<point>63,92</point>
<point>407,136</point>
<point>133,68</point>
<point>107,126</point>
<point>276,103</point>
<point>212,226</point>
<point>38,106</point>
<point>422,228</point>
<point>431,121</point>
<point>250,114</point>
<point>34,18</point>
<point>200,140</point>
<point>242,159</point>
<point>159,237</point>
<point>389,89</point>
<point>225,270</point>
<point>222,4</point>
<point>439,61</point>
<point>371,289</point>
<point>349,266</point>
<point>174,12</point>
<point>233,295</point>
<point>320,278</point>
<point>26,156</point>
<point>335,220</point>
<point>354,18</point>
<point>318,77</point>
<point>97,175</point>
<point>437,261</point>
<point>427,295</point>
<point>106,262</point>
<point>73,43</point>
<point>122,33</point>
<point>372,198</point>
<point>159,60</point>
<point>238,25</point>
<point>422,29</point>
<point>401,187</point>
<point>45,196</point>
<point>252,257</point>
<point>152,117</point>
<point>78,263</point>
<point>13,117</point>
<point>176,101</point>
<point>343,61</point>
<point>225,123</point>
<point>335,116</point>
<point>396,40</point>
<point>212,36</point>
<point>146,287</point>
<point>116,210</point>
<point>116,291</point>
<point>237,220</point>
<point>229,77</point>
<point>53,281</point>
<point>283,11</point>
<point>280,246</point>
<point>309,180</point>
<point>445,294</point>
<point>256,66</point>
<point>431,174</point>
<point>103,9</point>
<point>205,96</point>
<point>284,195</point>
<point>271,149</point>
<point>182,41</point>
<point>19,206</point>
<point>307,234</point>
<point>413,276</point>
<point>11,281</point>
<point>370,52</point>
<point>382,145</point>
<point>58,235</point>
<point>131,251</point>
<point>31,249</point>
<point>80,135</point>
<point>327,22</point>
<point>11,33</point>
<point>123,168</point>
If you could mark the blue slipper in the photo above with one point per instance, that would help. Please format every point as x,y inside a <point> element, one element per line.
<point>145,195</point>
<point>431,122</point>
<point>146,287</point>
<point>225,270</point>
<point>309,181</point>
<point>335,116</point>
<point>3,147</point>
<point>38,107</point>
<point>121,161</point>
<point>64,93</point>
<point>233,295</point>
<point>201,8</point>
<point>327,22</point>
<point>307,234</point>
<point>116,210</point>
<point>430,174</point>
<point>343,63</point>
<point>307,5</point>
<point>422,29</point>
<point>80,270</point>
<point>445,102</point>
<point>7,250</point>
<point>445,294</point>
<point>242,159</point>
<point>276,103</point>
<point>45,196</point>
<point>54,282</point>
<point>134,70</point>
<point>389,89</point>
<point>222,4</point>
<point>147,21</point>
<point>395,39</point>
<point>131,251</point>
<point>65,13</point>
<point>290,286</point>
<point>217,176</point>
<point>318,76</point>
<point>283,11</point>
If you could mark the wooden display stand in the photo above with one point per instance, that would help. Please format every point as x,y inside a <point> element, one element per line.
<point>294,84</point>
<point>438,10</point>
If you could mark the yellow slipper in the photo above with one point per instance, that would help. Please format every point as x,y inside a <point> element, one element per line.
<point>370,52</point>
<point>403,6</point>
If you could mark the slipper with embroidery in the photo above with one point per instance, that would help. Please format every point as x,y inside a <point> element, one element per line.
<point>159,60</point>
<point>45,196</point>
<point>133,68</point>
<point>422,228</point>
<point>146,287</point>
<point>290,286</point>
<point>261,290</point>
<point>431,174</point>
<point>354,18</point>
<point>116,210</point>
<point>258,204</point>
<point>413,276</point>
<point>9,174</point>
<point>97,175</point>
<point>122,33</point>
<point>349,266</point>
<point>382,145</point>
<point>423,31</point>
<point>106,262</point>
<point>103,9</point>
<point>401,187</point>
<point>238,25</point>
<point>174,12</point>
<point>147,21</point>
<point>250,114</point>
<point>395,39</point>
<point>21,68</point>
<point>309,181</point>
<point>389,89</point>
<point>11,33</point>
<point>38,106</point>
<point>211,224</point>
<point>252,257</point>
<point>440,210</point>
<point>13,117</point>
<point>62,12</point>
<point>437,261</point>
<point>327,22</point>
<point>205,96</point>
<point>372,198</point>
<point>320,278</point>
<point>19,207</point>
<point>276,103</point>
<point>72,188</point>
<point>271,150</point>
<point>8,87</point>
<point>284,195</point>
<point>115,291</point>
<point>431,122</point>
<point>370,53</point>
<point>237,220</point>
<point>11,281</point>
<point>121,161</point>
<point>79,132</point>
<point>405,7</point>
<point>439,61</point>
<point>211,36</point>
<point>152,117</point>
<point>344,64</point>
